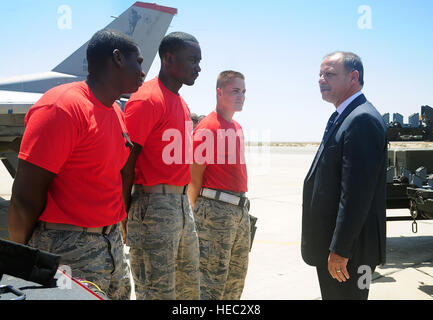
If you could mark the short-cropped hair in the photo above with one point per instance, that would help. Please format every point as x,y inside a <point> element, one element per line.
<point>102,45</point>
<point>227,76</point>
<point>351,62</point>
<point>174,42</point>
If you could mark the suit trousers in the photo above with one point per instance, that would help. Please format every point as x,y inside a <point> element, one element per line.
<point>356,288</point>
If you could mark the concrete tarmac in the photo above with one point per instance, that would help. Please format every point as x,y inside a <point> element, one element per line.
<point>276,269</point>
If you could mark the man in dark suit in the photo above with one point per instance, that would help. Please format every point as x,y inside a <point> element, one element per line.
<point>343,216</point>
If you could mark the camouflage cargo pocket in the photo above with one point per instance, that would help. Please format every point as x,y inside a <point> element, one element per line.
<point>136,215</point>
<point>253,221</point>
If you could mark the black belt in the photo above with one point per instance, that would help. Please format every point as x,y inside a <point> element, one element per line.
<point>160,188</point>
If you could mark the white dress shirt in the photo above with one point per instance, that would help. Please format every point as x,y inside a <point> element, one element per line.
<point>346,102</point>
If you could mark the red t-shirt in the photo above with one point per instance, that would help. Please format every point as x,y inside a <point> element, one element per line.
<point>220,145</point>
<point>70,133</point>
<point>158,120</point>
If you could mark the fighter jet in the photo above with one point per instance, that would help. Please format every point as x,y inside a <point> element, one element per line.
<point>146,23</point>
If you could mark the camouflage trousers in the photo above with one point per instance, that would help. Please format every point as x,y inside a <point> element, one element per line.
<point>93,257</point>
<point>224,237</point>
<point>164,254</point>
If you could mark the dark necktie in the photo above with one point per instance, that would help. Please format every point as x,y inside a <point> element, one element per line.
<point>329,125</point>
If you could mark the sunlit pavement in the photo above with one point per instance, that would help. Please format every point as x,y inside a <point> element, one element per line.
<point>276,270</point>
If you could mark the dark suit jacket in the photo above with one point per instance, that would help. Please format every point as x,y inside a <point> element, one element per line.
<point>344,201</point>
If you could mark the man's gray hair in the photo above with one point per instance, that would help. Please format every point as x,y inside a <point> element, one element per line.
<point>351,62</point>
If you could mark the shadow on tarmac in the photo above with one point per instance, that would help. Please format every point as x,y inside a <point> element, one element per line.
<point>403,252</point>
<point>426,289</point>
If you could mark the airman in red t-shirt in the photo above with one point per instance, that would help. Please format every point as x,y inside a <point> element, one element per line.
<point>161,229</point>
<point>67,194</point>
<point>217,194</point>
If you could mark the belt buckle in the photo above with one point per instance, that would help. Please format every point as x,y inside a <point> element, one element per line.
<point>106,230</point>
<point>245,203</point>
<point>242,202</point>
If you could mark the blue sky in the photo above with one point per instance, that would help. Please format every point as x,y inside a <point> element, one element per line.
<point>278,45</point>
